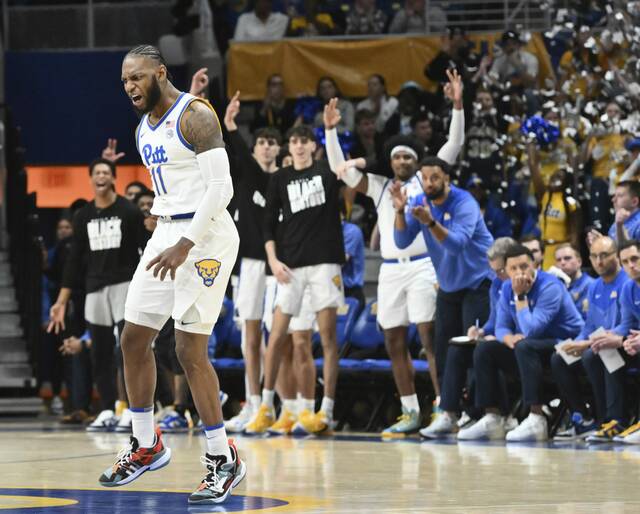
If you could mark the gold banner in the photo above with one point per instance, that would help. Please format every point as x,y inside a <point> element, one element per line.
<point>302,62</point>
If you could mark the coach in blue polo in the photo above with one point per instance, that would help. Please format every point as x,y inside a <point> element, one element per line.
<point>458,239</point>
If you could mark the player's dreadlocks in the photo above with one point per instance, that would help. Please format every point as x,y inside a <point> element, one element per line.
<point>151,52</point>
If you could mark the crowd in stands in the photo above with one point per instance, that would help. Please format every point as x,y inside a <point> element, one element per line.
<point>499,187</point>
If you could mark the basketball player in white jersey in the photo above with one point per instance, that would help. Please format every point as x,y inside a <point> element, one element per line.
<point>183,272</point>
<point>407,282</point>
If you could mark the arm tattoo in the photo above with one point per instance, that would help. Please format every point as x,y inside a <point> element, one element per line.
<point>201,128</point>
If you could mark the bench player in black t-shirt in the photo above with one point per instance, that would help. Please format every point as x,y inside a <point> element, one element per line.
<point>309,253</point>
<point>108,237</point>
<point>251,170</point>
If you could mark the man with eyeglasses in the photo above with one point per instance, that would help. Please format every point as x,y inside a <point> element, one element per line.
<point>625,339</point>
<point>534,313</point>
<point>569,261</point>
<point>604,310</point>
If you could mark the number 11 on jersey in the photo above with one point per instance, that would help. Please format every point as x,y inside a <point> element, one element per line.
<point>156,176</point>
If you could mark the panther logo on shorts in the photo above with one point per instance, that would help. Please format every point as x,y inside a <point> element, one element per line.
<point>337,280</point>
<point>208,269</point>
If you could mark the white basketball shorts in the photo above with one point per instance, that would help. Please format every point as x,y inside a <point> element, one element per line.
<point>195,297</point>
<point>324,282</point>
<point>406,293</point>
<point>251,289</point>
<point>305,320</point>
<point>105,307</point>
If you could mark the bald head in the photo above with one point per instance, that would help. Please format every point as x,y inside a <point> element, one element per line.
<point>604,258</point>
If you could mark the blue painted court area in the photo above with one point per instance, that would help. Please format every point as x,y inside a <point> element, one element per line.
<point>117,502</point>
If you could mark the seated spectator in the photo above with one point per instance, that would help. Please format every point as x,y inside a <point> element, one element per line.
<point>325,91</point>
<point>604,310</point>
<point>413,19</point>
<point>604,150</point>
<point>534,313</point>
<point>629,254</point>
<point>456,51</point>
<point>313,22</point>
<point>276,110</point>
<point>495,255</point>
<point>261,23</point>
<point>560,215</point>
<point>422,130</point>
<point>411,100</point>
<point>144,201</point>
<point>365,18</point>
<point>353,268</point>
<point>536,247</point>
<point>378,101</point>
<point>495,216</point>
<point>613,386</point>
<point>368,143</point>
<point>626,202</point>
<point>517,68</point>
<point>515,65</point>
<point>482,149</point>
<point>568,260</point>
<point>577,65</point>
<point>559,154</point>
<point>133,189</point>
<point>631,173</point>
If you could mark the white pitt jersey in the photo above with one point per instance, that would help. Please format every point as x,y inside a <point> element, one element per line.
<point>378,190</point>
<point>171,161</point>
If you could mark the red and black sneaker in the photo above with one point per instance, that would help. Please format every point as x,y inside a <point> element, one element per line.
<point>133,461</point>
<point>222,478</point>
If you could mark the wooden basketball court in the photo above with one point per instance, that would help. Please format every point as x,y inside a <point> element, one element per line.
<point>47,469</point>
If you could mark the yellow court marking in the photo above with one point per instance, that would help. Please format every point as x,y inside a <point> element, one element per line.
<point>294,502</point>
<point>30,502</point>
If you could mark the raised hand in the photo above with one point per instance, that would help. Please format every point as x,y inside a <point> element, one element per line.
<point>398,196</point>
<point>331,116</point>
<point>453,90</point>
<point>110,153</point>
<point>592,236</point>
<point>199,83</point>
<point>232,111</point>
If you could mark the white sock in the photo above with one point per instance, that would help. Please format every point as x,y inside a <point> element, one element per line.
<point>142,426</point>
<point>310,405</point>
<point>410,403</point>
<point>217,443</point>
<point>289,405</point>
<point>327,406</point>
<point>267,397</point>
<point>254,402</point>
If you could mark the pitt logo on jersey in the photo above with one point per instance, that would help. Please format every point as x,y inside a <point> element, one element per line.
<point>151,156</point>
<point>208,270</point>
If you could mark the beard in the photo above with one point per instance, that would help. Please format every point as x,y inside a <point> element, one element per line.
<point>435,195</point>
<point>153,97</point>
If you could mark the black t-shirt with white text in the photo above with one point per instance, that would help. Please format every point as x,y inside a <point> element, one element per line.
<point>310,231</point>
<point>109,241</point>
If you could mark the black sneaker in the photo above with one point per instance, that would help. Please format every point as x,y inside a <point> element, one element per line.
<point>222,478</point>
